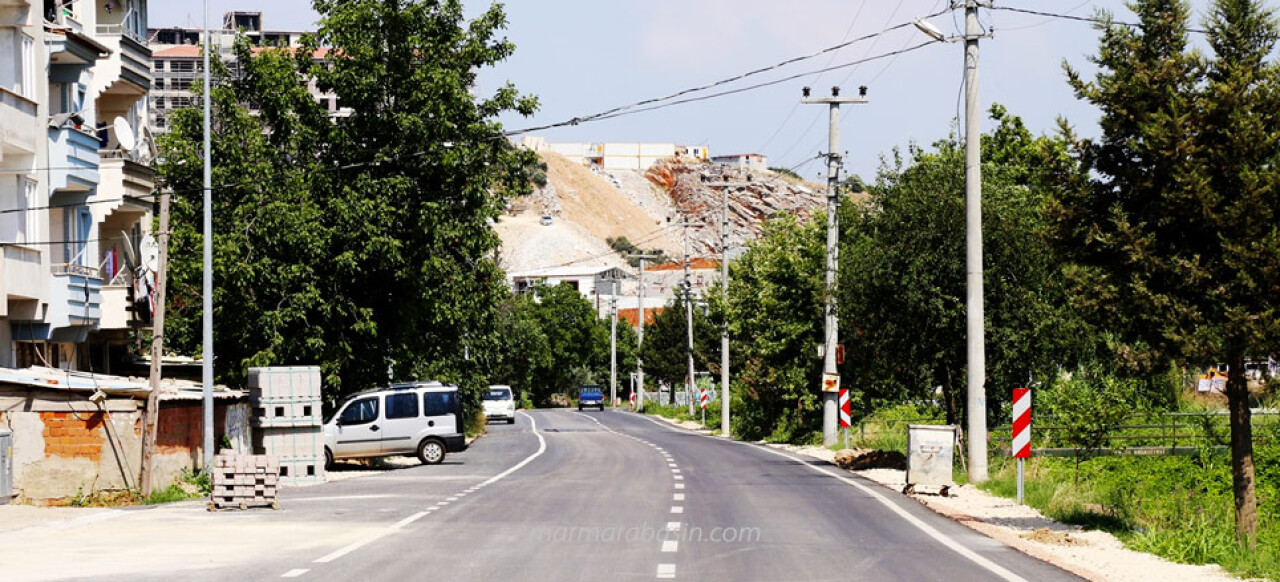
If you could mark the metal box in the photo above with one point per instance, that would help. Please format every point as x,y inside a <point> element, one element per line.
<point>6,466</point>
<point>930,456</point>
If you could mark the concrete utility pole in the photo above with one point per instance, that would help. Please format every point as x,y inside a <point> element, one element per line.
<point>613,346</point>
<point>830,399</point>
<point>975,325</point>
<point>724,284</point>
<point>688,309</point>
<point>640,334</point>
<point>157,348</point>
<point>208,254</point>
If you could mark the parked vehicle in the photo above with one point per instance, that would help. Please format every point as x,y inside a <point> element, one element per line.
<point>500,404</point>
<point>590,397</point>
<point>414,418</point>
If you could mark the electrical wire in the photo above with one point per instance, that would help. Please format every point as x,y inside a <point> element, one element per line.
<point>649,104</point>
<point>1088,19</point>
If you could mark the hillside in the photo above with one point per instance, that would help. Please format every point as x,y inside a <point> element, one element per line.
<point>587,207</point>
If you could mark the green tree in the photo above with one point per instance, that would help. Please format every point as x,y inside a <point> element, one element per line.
<point>1175,234</point>
<point>361,243</point>
<point>902,274</point>
<point>270,227</point>
<point>577,339</point>
<point>774,309</point>
<point>666,343</point>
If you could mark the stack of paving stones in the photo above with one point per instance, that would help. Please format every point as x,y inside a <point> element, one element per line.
<point>286,421</point>
<point>241,481</point>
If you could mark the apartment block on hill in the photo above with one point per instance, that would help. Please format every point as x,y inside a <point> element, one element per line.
<point>179,63</point>
<point>615,155</point>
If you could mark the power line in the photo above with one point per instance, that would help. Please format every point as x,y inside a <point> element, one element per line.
<point>1090,19</point>
<point>632,107</point>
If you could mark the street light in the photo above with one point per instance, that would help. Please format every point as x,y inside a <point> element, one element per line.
<point>975,329</point>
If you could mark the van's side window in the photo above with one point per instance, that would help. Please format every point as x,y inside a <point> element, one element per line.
<point>361,411</point>
<point>402,406</point>
<point>437,403</point>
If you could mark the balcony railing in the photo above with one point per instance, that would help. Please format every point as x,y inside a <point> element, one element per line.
<point>78,270</point>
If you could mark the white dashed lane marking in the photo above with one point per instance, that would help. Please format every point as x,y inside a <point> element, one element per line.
<point>294,573</point>
<point>666,570</point>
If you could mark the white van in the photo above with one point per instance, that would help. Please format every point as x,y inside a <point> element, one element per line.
<point>415,418</point>
<point>500,404</point>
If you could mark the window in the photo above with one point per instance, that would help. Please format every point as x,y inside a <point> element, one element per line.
<point>76,224</point>
<point>363,411</point>
<point>27,229</point>
<point>27,79</point>
<point>402,406</point>
<point>438,403</point>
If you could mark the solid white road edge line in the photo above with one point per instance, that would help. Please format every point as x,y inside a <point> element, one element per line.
<point>927,529</point>
<point>542,447</point>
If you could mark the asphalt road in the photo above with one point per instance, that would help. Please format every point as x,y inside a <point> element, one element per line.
<point>585,496</point>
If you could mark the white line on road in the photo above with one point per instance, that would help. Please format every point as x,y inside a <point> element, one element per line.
<point>294,573</point>
<point>679,477</point>
<point>911,519</point>
<point>677,509</point>
<point>678,497</point>
<point>673,526</point>
<point>666,570</point>
<point>679,485</point>
<point>670,546</point>
<point>542,447</point>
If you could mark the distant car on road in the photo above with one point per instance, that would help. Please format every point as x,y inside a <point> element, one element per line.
<point>545,220</point>
<point>413,418</point>
<point>590,396</point>
<point>499,404</point>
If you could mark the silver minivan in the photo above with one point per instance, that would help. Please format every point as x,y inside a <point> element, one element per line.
<point>413,418</point>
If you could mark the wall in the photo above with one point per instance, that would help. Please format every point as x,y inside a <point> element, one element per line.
<point>65,446</point>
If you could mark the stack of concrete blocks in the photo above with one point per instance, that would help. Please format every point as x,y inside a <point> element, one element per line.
<point>286,421</point>
<point>244,480</point>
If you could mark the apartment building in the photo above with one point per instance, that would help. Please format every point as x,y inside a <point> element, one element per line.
<point>178,62</point>
<point>75,180</point>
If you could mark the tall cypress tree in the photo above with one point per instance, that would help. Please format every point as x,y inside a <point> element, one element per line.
<point>1175,235</point>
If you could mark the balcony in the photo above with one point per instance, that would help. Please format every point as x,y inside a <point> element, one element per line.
<point>125,179</point>
<point>18,124</point>
<point>14,12</point>
<point>22,282</point>
<point>128,69</point>
<point>73,158</point>
<point>75,302</point>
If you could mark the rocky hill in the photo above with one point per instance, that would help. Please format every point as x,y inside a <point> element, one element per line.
<point>587,206</point>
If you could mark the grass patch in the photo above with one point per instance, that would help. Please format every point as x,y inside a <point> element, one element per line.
<point>681,413</point>
<point>1179,508</point>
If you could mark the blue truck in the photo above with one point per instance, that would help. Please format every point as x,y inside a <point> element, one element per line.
<point>590,396</point>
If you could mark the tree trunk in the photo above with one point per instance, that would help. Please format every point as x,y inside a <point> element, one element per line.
<point>1242,478</point>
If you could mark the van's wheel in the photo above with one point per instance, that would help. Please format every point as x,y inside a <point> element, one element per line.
<point>328,459</point>
<point>431,452</point>
<point>511,420</point>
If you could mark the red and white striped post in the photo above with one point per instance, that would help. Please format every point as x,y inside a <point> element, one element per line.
<point>1021,431</point>
<point>702,399</point>
<point>845,415</point>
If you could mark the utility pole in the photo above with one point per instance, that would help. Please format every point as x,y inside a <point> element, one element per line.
<point>157,348</point>
<point>688,309</point>
<point>830,398</point>
<point>975,326</point>
<point>974,310</point>
<point>724,284</point>
<point>640,334</point>
<point>613,346</point>
<point>208,254</point>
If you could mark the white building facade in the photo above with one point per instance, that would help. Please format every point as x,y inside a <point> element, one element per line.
<point>75,191</point>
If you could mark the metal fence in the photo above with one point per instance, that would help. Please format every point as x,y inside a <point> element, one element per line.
<point>1155,434</point>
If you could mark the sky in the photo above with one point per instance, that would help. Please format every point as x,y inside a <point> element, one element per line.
<point>582,57</point>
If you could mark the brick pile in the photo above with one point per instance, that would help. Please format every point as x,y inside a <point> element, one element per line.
<point>242,481</point>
